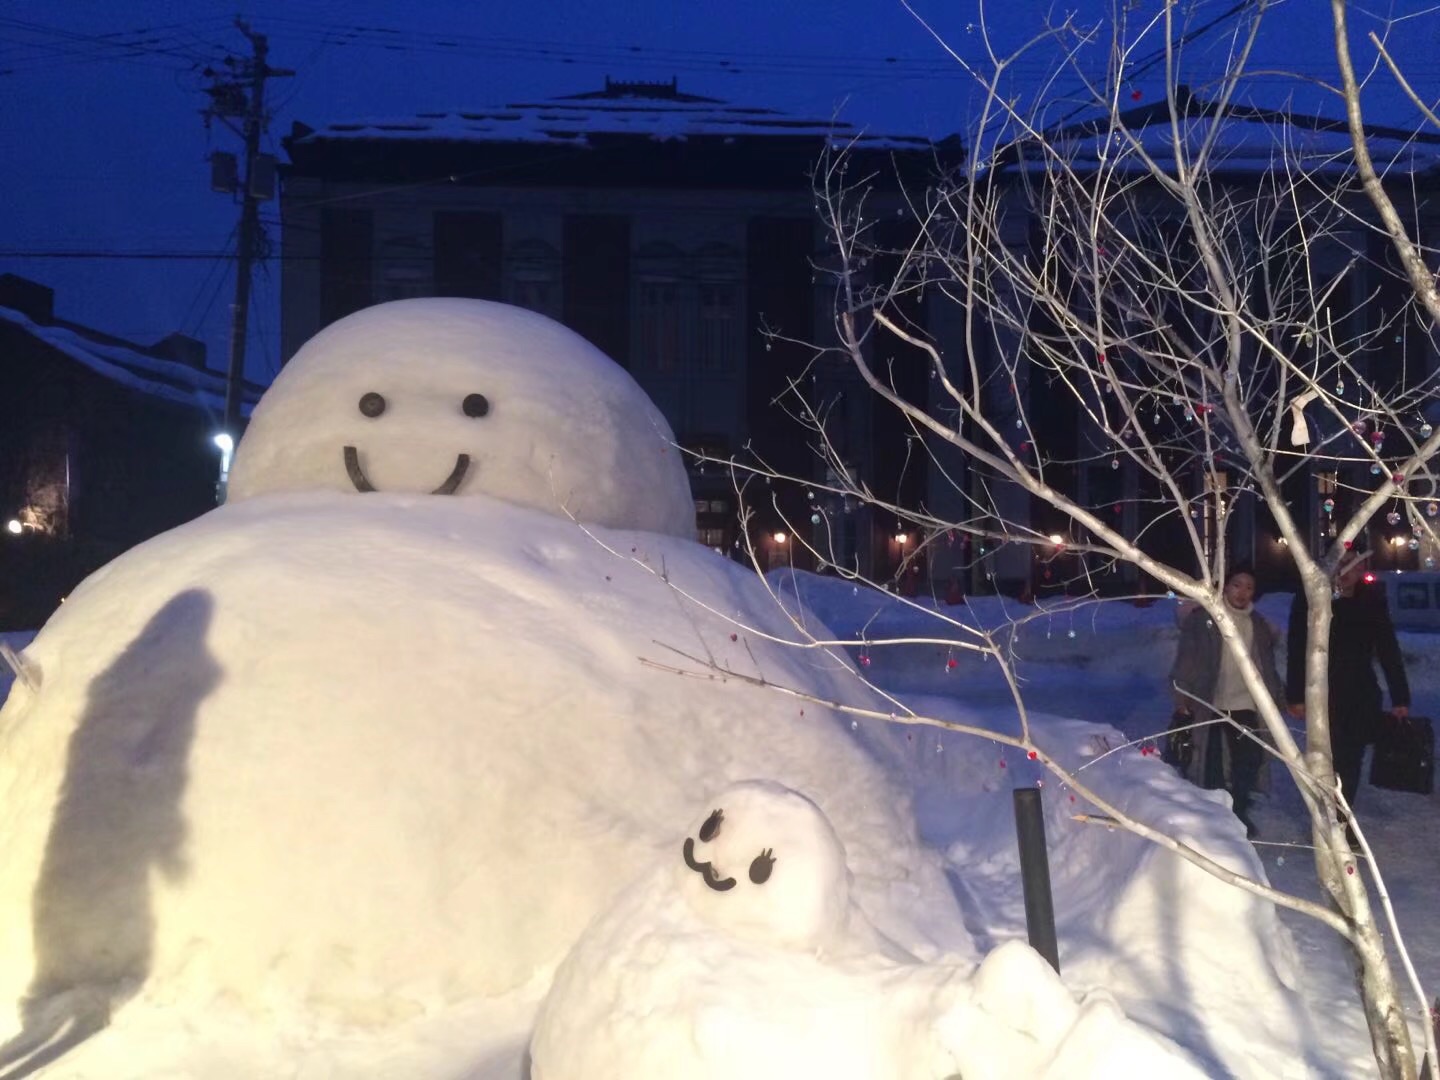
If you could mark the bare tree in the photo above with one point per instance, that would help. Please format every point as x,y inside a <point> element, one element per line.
<point>1143,329</point>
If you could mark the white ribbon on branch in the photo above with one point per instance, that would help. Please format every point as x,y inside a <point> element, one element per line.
<point>1299,432</point>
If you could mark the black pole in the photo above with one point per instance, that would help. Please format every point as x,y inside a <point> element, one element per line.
<point>1035,875</point>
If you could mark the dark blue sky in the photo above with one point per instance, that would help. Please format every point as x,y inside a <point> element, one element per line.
<point>103,150</point>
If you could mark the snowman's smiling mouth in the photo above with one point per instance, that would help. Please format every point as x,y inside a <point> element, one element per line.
<point>706,870</point>
<point>362,482</point>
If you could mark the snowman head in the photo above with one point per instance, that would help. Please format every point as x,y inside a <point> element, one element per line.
<point>763,862</point>
<point>466,397</point>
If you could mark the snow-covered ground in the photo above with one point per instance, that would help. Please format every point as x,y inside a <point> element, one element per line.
<point>1106,663</point>
<point>337,782</point>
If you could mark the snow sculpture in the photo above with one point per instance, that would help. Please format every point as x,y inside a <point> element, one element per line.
<point>701,972</point>
<point>766,864</point>
<point>368,758</point>
<point>466,397</point>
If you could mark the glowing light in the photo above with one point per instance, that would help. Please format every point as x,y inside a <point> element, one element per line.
<point>902,538</point>
<point>1369,579</point>
<point>780,538</point>
<point>1057,539</point>
<point>224,442</point>
<point>14,526</point>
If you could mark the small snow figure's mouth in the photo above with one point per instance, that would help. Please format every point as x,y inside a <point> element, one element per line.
<point>362,482</point>
<point>705,870</point>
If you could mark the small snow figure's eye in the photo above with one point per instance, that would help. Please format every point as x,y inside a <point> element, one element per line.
<point>711,826</point>
<point>761,867</point>
<point>475,405</point>
<point>372,405</point>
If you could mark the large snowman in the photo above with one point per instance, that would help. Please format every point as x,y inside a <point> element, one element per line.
<point>378,737</point>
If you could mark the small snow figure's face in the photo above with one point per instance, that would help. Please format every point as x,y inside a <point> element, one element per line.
<point>372,405</point>
<point>776,863</point>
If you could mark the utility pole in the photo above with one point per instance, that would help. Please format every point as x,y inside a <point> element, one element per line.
<point>238,92</point>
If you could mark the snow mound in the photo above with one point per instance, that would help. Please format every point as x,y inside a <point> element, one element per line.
<point>364,758</point>
<point>675,981</point>
<point>415,396</point>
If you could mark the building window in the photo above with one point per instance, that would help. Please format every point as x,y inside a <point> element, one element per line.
<point>717,349</point>
<point>532,277</point>
<point>405,270</point>
<point>659,323</point>
<point>688,314</point>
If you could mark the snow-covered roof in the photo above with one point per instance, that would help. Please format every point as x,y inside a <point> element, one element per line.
<point>1248,140</point>
<point>172,380</point>
<point>656,111</point>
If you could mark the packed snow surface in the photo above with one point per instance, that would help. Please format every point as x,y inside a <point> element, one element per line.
<point>406,389</point>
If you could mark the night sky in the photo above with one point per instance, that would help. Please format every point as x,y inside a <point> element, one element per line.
<point>103,151</point>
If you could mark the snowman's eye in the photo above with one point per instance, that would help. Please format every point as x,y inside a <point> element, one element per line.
<point>761,867</point>
<point>372,405</point>
<point>475,405</point>
<point>711,826</point>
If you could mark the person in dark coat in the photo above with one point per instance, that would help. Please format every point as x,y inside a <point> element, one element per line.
<point>1361,633</point>
<point>1207,683</point>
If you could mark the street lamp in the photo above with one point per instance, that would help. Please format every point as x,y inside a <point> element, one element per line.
<point>226,444</point>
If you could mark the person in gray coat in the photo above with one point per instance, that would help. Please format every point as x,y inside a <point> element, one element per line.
<point>1208,684</point>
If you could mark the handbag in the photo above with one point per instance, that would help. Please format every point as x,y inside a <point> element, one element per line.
<point>1179,746</point>
<point>1404,755</point>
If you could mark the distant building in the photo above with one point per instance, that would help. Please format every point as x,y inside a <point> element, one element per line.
<point>1353,262</point>
<point>672,230</point>
<point>103,444</point>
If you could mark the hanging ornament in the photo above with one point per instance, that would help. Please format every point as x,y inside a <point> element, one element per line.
<point>1414,544</point>
<point>1340,386</point>
<point>1426,430</point>
<point>1432,508</point>
<point>1398,479</point>
<point>1429,562</point>
<point>1328,506</point>
<point>1019,422</point>
<point>951,664</point>
<point>1375,470</point>
<point>814,519</point>
<point>1358,427</point>
<point>1114,463</point>
<point>1392,518</point>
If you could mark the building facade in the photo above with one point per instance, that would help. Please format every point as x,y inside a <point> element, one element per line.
<point>677,233</point>
<point>104,443</point>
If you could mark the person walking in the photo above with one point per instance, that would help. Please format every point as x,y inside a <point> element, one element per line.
<point>1208,685</point>
<point>1361,634</point>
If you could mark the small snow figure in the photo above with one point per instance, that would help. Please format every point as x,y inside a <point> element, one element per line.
<point>743,955</point>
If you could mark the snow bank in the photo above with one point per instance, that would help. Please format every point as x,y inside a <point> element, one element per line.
<point>368,757</point>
